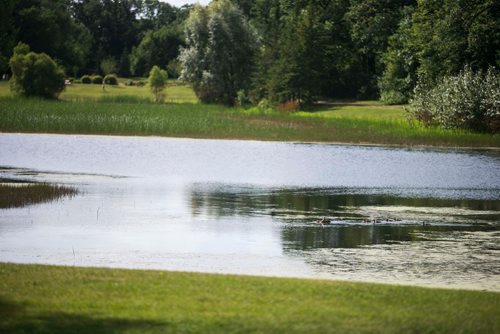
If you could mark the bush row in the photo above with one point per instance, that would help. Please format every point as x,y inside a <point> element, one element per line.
<point>109,79</point>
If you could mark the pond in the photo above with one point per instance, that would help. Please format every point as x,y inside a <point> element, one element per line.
<point>425,217</point>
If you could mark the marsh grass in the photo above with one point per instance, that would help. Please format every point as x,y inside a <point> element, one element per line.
<point>14,195</point>
<point>124,110</point>
<point>50,299</point>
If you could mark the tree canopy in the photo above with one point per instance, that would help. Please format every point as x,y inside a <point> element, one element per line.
<point>279,50</point>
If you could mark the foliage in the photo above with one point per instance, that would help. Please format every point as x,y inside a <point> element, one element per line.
<point>449,34</point>
<point>218,57</point>
<point>400,74</point>
<point>371,24</point>
<point>156,48</point>
<point>108,65</point>
<point>174,68</point>
<point>111,79</point>
<point>86,79</point>
<point>469,100</point>
<point>35,74</point>
<point>48,27</point>
<point>157,81</point>
<point>97,79</point>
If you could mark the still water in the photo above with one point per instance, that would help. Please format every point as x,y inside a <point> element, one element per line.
<point>407,216</point>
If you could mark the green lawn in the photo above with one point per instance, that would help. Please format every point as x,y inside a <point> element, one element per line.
<point>122,110</point>
<point>49,299</point>
<point>173,93</point>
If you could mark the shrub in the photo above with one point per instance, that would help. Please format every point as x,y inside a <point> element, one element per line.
<point>242,98</point>
<point>470,100</point>
<point>35,74</point>
<point>111,79</point>
<point>264,105</point>
<point>393,97</point>
<point>97,79</point>
<point>157,81</point>
<point>289,106</point>
<point>86,79</point>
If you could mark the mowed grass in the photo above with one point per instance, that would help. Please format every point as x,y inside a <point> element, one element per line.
<point>85,109</point>
<point>50,299</point>
<point>174,93</point>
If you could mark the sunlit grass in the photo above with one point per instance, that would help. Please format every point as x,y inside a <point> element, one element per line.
<point>90,92</point>
<point>122,110</point>
<point>48,299</point>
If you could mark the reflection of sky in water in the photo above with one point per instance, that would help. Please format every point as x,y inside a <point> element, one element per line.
<point>251,207</point>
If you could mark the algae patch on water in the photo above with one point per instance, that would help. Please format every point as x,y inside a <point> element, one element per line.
<point>16,195</point>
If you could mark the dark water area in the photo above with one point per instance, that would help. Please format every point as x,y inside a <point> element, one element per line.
<point>426,217</point>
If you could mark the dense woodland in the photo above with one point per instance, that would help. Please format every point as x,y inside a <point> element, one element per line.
<point>277,50</point>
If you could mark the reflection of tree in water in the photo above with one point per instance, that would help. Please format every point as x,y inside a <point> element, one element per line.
<point>299,208</point>
<point>232,201</point>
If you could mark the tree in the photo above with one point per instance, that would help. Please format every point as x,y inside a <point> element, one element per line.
<point>113,26</point>
<point>219,53</point>
<point>400,74</point>
<point>157,82</point>
<point>371,23</point>
<point>108,66</point>
<point>48,27</point>
<point>296,74</point>
<point>7,33</point>
<point>450,34</point>
<point>156,48</point>
<point>35,74</point>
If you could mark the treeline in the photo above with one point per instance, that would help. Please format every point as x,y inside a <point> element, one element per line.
<point>273,50</point>
<point>132,35</point>
<point>368,48</point>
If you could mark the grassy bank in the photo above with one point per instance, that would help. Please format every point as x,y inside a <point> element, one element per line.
<point>47,299</point>
<point>85,110</point>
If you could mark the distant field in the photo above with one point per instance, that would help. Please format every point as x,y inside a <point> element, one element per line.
<point>49,299</point>
<point>124,110</point>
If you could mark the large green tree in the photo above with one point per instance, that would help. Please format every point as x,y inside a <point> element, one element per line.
<point>48,27</point>
<point>451,33</point>
<point>113,25</point>
<point>156,48</point>
<point>219,53</point>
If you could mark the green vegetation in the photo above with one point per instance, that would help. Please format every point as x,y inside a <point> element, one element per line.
<point>468,101</point>
<point>219,53</point>
<point>35,74</point>
<point>157,81</point>
<point>19,194</point>
<point>119,93</point>
<point>128,110</point>
<point>49,299</point>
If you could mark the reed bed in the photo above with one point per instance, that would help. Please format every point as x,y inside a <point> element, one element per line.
<point>20,194</point>
<point>135,115</point>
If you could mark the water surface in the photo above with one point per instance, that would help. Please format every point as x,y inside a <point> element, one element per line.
<point>408,216</point>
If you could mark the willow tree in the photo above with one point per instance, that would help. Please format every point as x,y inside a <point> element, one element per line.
<point>219,53</point>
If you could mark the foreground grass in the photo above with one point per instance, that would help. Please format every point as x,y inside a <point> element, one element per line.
<point>48,299</point>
